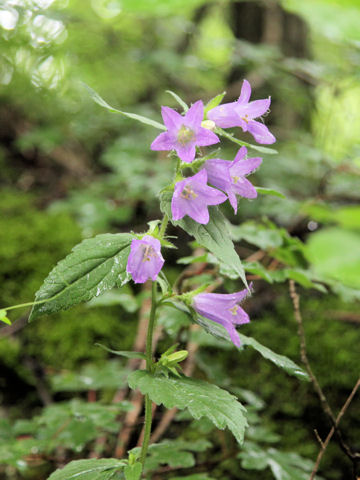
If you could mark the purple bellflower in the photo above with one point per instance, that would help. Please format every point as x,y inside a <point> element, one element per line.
<point>230,176</point>
<point>192,197</point>
<point>184,133</point>
<point>223,309</point>
<point>242,114</point>
<point>145,260</point>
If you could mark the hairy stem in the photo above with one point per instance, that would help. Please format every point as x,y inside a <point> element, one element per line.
<point>163,225</point>
<point>149,367</point>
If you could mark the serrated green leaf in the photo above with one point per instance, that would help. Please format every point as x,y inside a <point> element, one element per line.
<point>279,360</point>
<point>179,100</point>
<point>202,399</point>
<point>94,266</point>
<point>100,101</point>
<point>133,472</point>
<point>123,353</point>
<point>109,375</point>
<point>214,102</point>
<point>93,469</point>
<point>175,453</point>
<point>214,236</point>
<point>269,191</point>
<point>283,465</point>
<point>230,136</point>
<point>108,299</point>
<point>257,234</point>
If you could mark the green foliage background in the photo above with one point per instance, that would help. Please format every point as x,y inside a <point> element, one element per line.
<point>70,170</point>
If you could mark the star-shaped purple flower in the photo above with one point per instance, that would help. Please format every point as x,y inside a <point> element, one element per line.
<point>145,260</point>
<point>223,309</point>
<point>192,197</point>
<point>230,176</point>
<point>184,133</point>
<point>242,114</point>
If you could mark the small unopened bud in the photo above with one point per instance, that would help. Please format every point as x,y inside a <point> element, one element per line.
<point>3,317</point>
<point>208,124</point>
<point>177,357</point>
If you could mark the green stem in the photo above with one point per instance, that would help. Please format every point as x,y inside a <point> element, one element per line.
<point>28,304</point>
<point>149,368</point>
<point>163,225</point>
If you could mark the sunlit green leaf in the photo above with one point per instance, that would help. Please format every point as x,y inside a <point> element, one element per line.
<point>133,472</point>
<point>174,453</point>
<point>94,469</point>
<point>199,397</point>
<point>3,317</point>
<point>94,266</point>
<point>214,102</point>
<point>269,191</point>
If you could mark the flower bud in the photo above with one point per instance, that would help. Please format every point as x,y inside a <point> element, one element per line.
<point>208,124</point>
<point>177,357</point>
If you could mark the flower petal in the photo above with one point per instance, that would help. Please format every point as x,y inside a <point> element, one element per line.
<point>239,168</point>
<point>194,116</point>
<point>242,152</point>
<point>233,200</point>
<point>145,260</point>
<point>245,92</point>
<point>210,195</point>
<point>206,137</point>
<point>164,141</point>
<point>254,109</point>
<point>261,133</point>
<point>244,188</point>
<point>172,119</point>
<point>218,173</point>
<point>225,116</point>
<point>198,211</point>
<point>177,207</point>
<point>234,336</point>
<point>241,317</point>
<point>186,152</point>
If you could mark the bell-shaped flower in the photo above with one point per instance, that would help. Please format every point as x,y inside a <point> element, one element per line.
<point>192,197</point>
<point>145,260</point>
<point>242,113</point>
<point>223,309</point>
<point>230,176</point>
<point>184,133</point>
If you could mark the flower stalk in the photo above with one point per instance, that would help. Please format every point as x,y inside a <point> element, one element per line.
<point>149,368</point>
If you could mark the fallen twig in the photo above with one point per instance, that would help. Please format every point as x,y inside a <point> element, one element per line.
<point>352,455</point>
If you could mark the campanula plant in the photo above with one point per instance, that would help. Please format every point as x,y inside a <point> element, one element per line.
<point>190,201</point>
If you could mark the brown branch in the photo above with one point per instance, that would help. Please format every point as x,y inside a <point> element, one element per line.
<point>353,456</point>
<point>332,431</point>
<point>350,317</point>
<point>13,328</point>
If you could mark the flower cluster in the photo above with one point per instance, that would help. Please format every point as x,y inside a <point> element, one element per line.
<point>184,133</point>
<point>214,181</point>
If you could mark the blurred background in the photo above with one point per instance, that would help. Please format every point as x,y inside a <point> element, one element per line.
<point>70,170</point>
